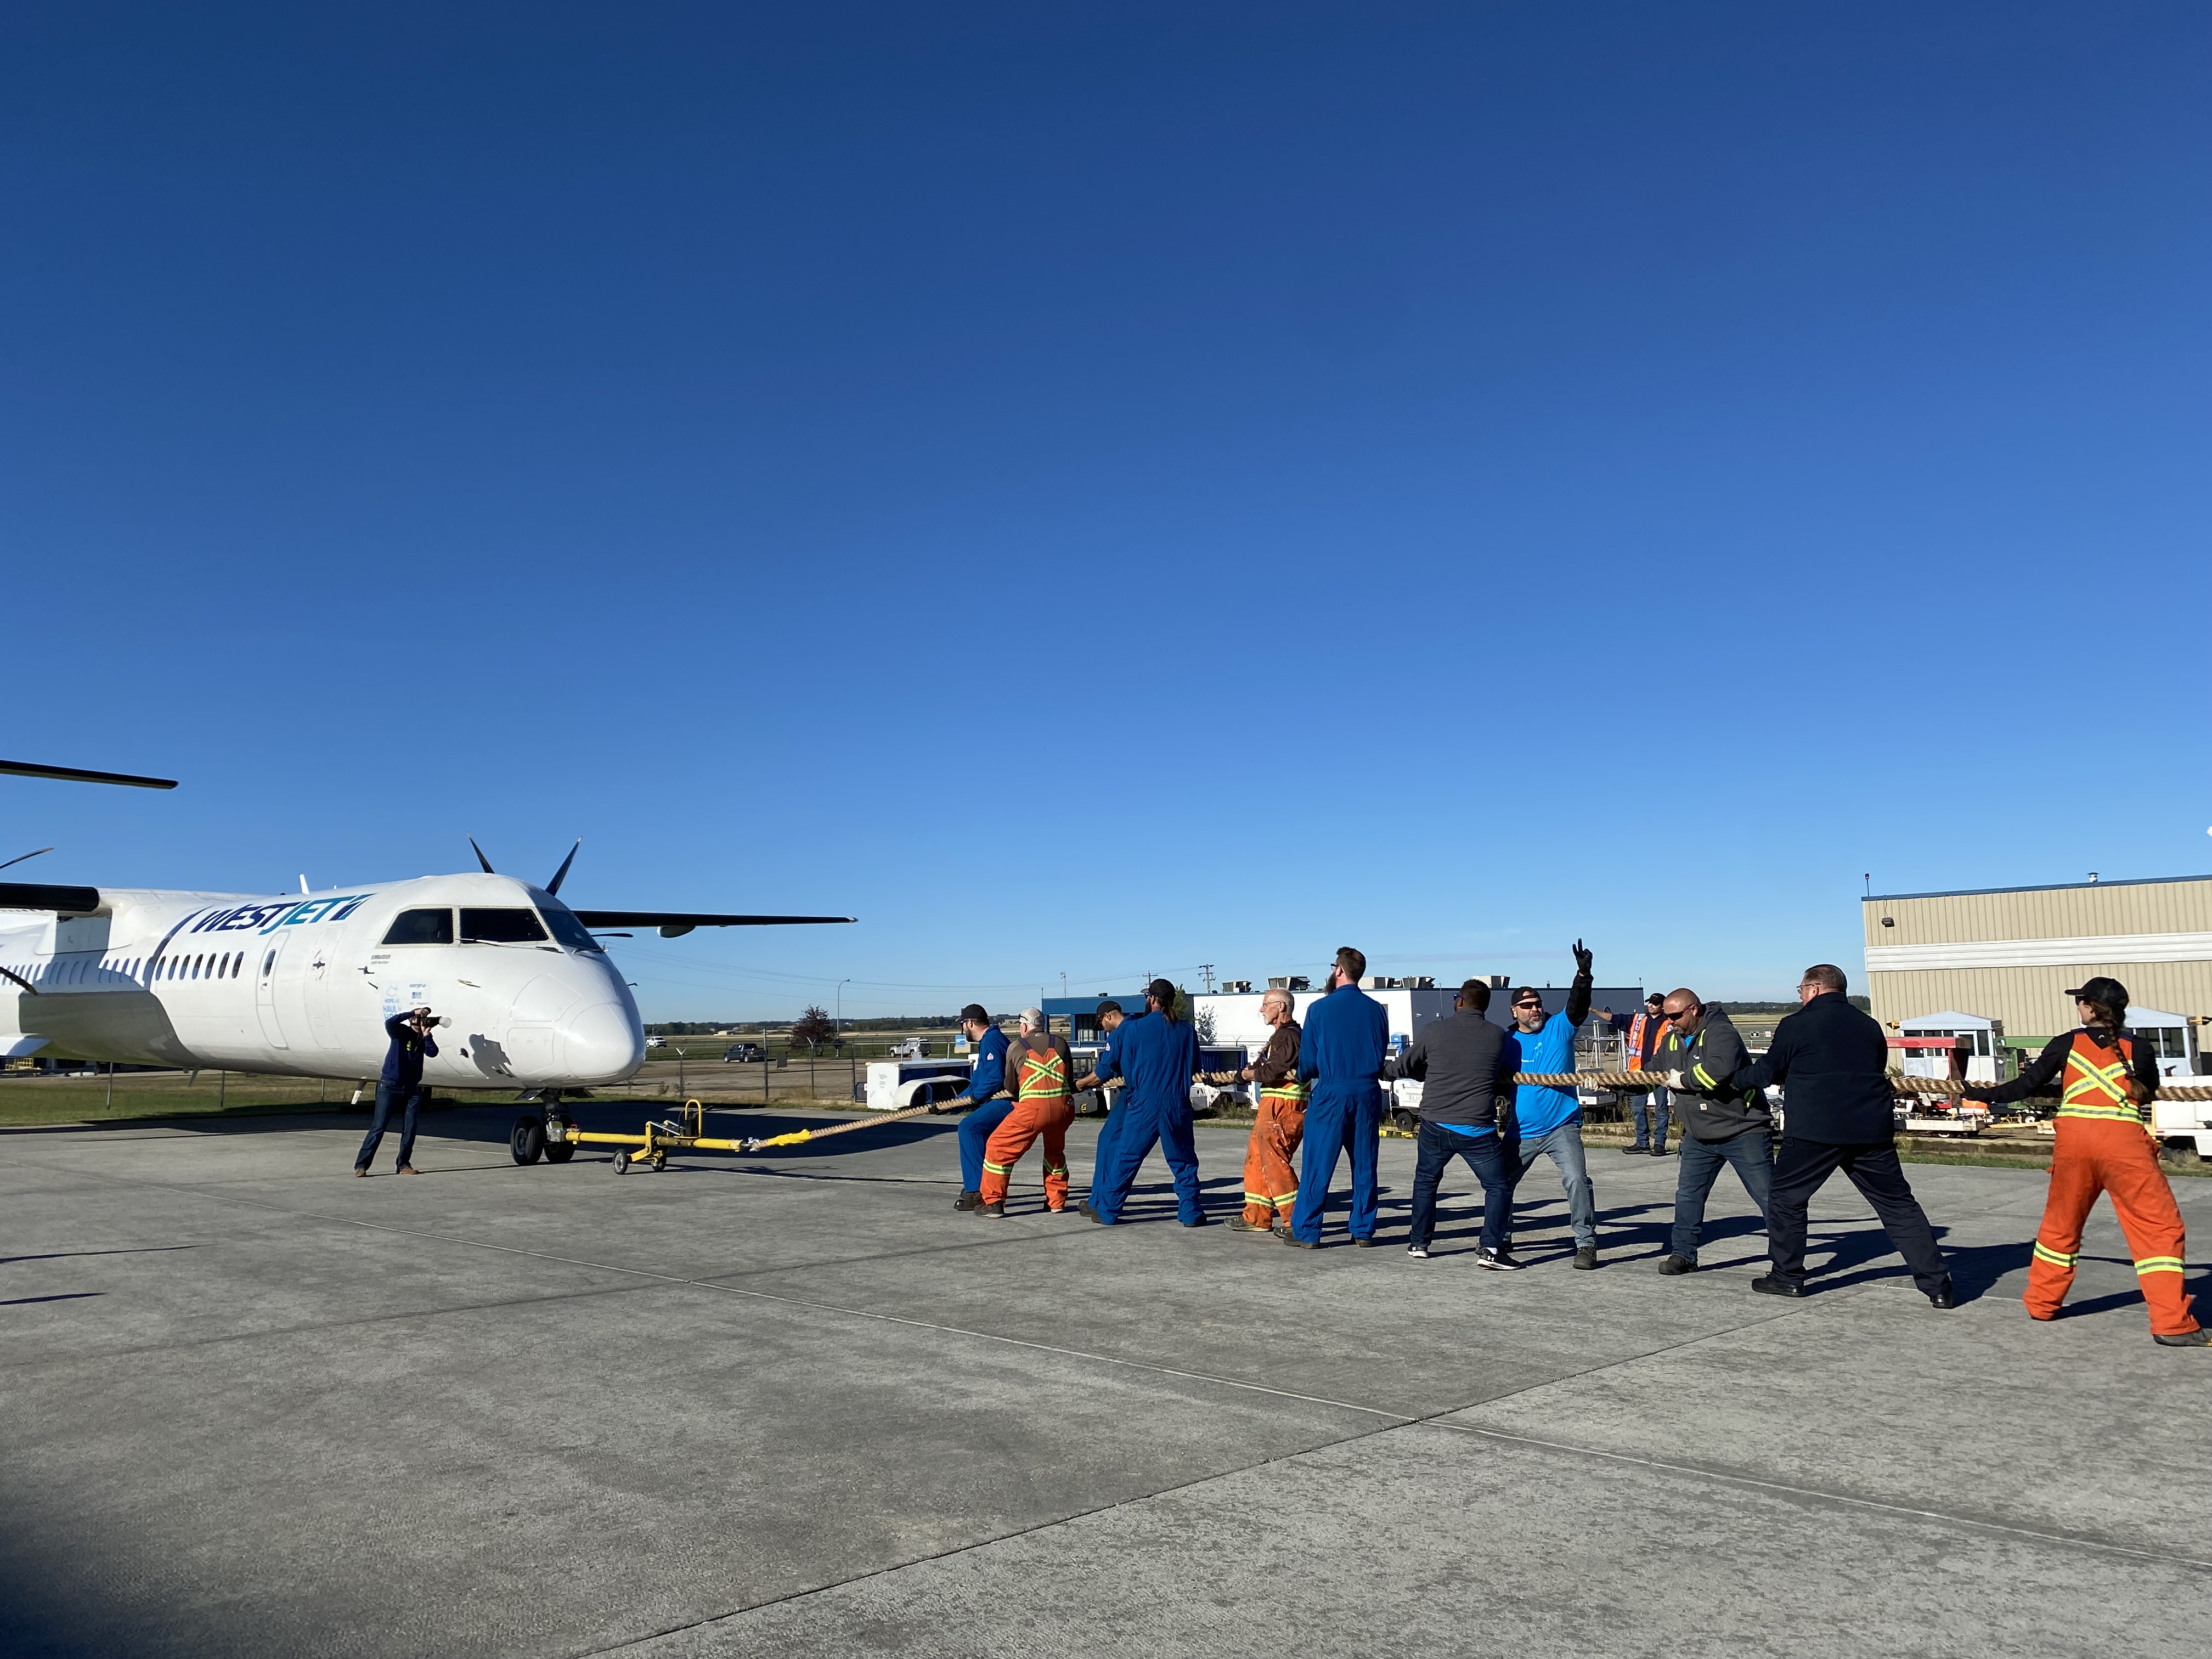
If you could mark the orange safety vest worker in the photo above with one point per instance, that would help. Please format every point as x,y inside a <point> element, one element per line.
<point>1637,1028</point>
<point>2105,1145</point>
<point>1043,1107</point>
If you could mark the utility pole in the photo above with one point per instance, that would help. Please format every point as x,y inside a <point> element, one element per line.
<point>842,984</point>
<point>1206,971</point>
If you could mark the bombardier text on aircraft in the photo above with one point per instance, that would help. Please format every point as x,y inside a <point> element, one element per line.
<point>302,983</point>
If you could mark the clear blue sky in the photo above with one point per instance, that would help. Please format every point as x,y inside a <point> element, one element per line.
<point>1110,488</point>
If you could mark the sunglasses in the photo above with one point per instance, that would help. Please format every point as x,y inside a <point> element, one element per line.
<point>1683,1013</point>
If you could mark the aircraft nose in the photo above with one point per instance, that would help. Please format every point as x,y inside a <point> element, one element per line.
<point>604,1043</point>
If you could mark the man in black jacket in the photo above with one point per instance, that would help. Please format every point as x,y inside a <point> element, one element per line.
<point>1722,1123</point>
<point>401,1086</point>
<point>1840,1114</point>
<point>1464,1065</point>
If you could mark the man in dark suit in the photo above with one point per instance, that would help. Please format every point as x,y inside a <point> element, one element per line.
<point>1840,1115</point>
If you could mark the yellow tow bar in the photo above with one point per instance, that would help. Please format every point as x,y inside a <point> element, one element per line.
<point>652,1146</point>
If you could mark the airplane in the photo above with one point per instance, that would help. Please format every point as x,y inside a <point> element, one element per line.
<point>300,984</point>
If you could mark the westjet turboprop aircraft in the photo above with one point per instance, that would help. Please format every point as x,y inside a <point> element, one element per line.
<point>302,983</point>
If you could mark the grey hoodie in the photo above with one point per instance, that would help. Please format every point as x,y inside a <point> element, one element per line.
<point>1710,1109</point>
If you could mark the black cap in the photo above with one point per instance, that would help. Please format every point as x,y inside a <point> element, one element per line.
<point>2104,990</point>
<point>1109,1006</point>
<point>974,1011</point>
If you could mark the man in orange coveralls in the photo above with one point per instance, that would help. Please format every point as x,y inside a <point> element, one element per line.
<point>1270,1173</point>
<point>2105,1145</point>
<point>1041,1073</point>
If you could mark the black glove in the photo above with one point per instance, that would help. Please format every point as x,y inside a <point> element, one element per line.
<point>1582,961</point>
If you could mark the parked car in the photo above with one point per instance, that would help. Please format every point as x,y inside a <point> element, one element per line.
<point>912,1048</point>
<point>751,1052</point>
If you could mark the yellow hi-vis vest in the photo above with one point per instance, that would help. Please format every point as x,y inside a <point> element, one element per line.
<point>2095,1088</point>
<point>1043,1075</point>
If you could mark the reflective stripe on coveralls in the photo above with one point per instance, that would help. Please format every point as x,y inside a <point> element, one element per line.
<point>1045,1108</point>
<point>2102,1147</point>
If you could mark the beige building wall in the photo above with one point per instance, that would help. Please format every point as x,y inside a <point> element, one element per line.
<point>2011,955</point>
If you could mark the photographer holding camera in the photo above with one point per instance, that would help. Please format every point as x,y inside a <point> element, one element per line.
<point>411,1044</point>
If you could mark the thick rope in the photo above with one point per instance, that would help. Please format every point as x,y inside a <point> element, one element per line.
<point>1630,1082</point>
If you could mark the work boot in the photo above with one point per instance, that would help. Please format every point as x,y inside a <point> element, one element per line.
<point>1089,1214</point>
<point>1674,1265</point>
<point>1775,1285</point>
<point>1637,1150</point>
<point>1658,1152</point>
<point>1498,1260</point>
<point>1237,1223</point>
<point>361,1172</point>
<point>996,1209</point>
<point>1367,1244</point>
<point>1296,1242</point>
<point>407,1168</point>
<point>1586,1257</point>
<point>1203,1221</point>
<point>968,1201</point>
<point>2199,1338</point>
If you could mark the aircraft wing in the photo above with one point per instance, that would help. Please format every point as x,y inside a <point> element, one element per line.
<point>674,922</point>
<point>74,775</point>
<point>39,895</point>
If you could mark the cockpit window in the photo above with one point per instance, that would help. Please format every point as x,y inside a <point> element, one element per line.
<point>500,927</point>
<point>421,927</point>
<point>569,930</point>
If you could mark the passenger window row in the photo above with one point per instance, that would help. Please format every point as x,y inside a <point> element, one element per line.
<point>204,966</point>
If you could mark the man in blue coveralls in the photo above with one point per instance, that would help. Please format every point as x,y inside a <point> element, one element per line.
<point>1157,1056</point>
<point>1347,1034</point>
<point>1547,1123</point>
<point>988,1077</point>
<point>1110,1021</point>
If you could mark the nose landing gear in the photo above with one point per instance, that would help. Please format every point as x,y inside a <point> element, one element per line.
<point>549,1134</point>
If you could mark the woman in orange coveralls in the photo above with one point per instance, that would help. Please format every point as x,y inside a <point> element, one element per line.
<point>2106,1144</point>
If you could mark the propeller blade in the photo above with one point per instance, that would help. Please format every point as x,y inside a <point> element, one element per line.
<point>481,859</point>
<point>72,775</point>
<point>20,857</point>
<point>562,874</point>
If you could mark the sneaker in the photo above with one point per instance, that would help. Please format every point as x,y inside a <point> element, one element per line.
<point>1419,1252</point>
<point>407,1168</point>
<point>361,1172</point>
<point>1237,1223</point>
<point>1586,1258</point>
<point>996,1209</point>
<point>1637,1151</point>
<point>1658,1152</point>
<point>1498,1260</point>
<point>2199,1338</point>
<point>968,1201</point>
<point>1775,1285</point>
<point>1674,1265</point>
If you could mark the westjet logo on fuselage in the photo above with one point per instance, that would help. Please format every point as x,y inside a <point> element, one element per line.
<point>268,918</point>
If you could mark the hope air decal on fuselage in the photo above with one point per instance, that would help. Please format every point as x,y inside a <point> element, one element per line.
<point>281,912</point>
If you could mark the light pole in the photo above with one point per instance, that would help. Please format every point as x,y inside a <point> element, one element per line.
<point>842,984</point>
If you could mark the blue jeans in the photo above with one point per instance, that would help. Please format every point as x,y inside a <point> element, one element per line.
<point>1486,1155</point>
<point>1750,1152</point>
<point>412,1094</point>
<point>1143,1122</point>
<point>1651,1107</point>
<point>1340,1118</point>
<point>1564,1147</point>
<point>975,1130</point>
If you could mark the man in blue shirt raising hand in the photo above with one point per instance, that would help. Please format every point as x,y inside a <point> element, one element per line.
<point>1547,1121</point>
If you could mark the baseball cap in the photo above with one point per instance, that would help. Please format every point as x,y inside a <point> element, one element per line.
<point>2101,990</point>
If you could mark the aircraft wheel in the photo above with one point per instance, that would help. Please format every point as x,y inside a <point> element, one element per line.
<point>527,1142</point>
<point>559,1151</point>
<point>622,1159</point>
